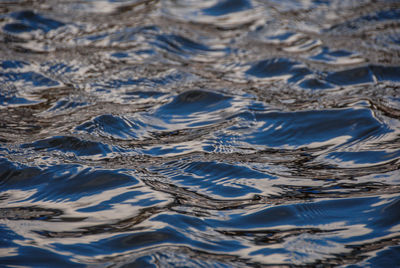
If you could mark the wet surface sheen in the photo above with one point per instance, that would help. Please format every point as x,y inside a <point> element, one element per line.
<point>175,133</point>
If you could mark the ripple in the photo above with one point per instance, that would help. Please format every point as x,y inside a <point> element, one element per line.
<point>22,74</point>
<point>362,158</point>
<point>217,179</point>
<point>350,77</point>
<point>191,109</point>
<point>382,16</point>
<point>150,41</point>
<point>224,14</point>
<point>31,213</point>
<point>111,126</point>
<point>30,21</point>
<point>70,144</point>
<point>296,129</point>
<point>226,7</point>
<point>21,82</point>
<point>289,71</point>
<point>181,46</point>
<point>126,89</point>
<point>65,105</point>
<point>337,57</point>
<point>361,75</point>
<point>279,69</point>
<point>195,101</point>
<point>383,73</point>
<point>38,256</point>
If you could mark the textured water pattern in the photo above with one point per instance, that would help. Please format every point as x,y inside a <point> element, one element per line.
<point>183,133</point>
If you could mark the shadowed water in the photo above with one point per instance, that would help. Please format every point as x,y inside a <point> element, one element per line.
<point>233,133</point>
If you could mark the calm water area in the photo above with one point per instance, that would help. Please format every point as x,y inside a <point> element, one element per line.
<point>185,133</point>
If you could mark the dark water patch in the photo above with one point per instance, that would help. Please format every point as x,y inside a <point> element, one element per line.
<point>9,99</point>
<point>151,41</point>
<point>9,238</point>
<point>129,241</point>
<point>187,48</point>
<point>70,144</point>
<point>296,72</point>
<point>14,175</point>
<point>145,261</point>
<point>30,21</point>
<point>319,213</point>
<point>392,39</point>
<point>389,213</point>
<point>144,239</point>
<point>381,16</point>
<point>177,256</point>
<point>65,182</point>
<point>120,55</point>
<point>112,126</point>
<point>337,53</point>
<point>386,73</point>
<point>65,105</point>
<point>276,129</point>
<point>385,258</point>
<point>36,256</point>
<point>30,78</point>
<point>176,43</point>
<point>219,179</point>
<point>166,235</point>
<point>195,101</point>
<point>314,83</point>
<point>195,108</point>
<point>279,69</point>
<point>366,157</point>
<point>337,57</point>
<point>136,127</point>
<point>12,64</point>
<point>271,236</point>
<point>224,15</point>
<point>363,75</point>
<point>392,14</point>
<point>336,189</point>
<point>227,7</point>
<point>355,76</point>
<point>85,183</point>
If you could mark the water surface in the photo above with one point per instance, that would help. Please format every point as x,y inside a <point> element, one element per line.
<point>233,133</point>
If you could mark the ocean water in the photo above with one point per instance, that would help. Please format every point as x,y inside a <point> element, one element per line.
<point>182,133</point>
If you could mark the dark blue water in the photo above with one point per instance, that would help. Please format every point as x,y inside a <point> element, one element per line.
<point>233,133</point>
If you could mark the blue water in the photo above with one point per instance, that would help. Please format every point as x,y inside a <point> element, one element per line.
<point>233,133</point>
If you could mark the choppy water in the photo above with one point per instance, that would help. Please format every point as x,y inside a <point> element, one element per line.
<point>213,133</point>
